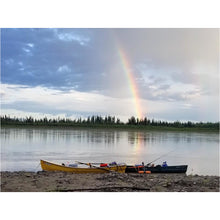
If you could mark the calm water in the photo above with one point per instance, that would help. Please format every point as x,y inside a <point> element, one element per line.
<point>22,149</point>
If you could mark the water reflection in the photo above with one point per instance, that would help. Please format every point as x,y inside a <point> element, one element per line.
<point>23,148</point>
<point>53,135</point>
<point>104,136</point>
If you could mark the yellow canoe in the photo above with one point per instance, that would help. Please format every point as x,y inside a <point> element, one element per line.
<point>48,166</point>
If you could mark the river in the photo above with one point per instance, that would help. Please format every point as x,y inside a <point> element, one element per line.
<point>22,148</point>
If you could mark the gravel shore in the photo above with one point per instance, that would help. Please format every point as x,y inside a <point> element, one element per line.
<point>108,182</point>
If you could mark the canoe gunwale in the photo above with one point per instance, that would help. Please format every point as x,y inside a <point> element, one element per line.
<point>48,166</point>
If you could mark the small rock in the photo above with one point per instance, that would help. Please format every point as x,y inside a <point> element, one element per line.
<point>169,184</point>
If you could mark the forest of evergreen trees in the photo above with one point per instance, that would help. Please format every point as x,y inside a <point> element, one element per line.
<point>105,122</point>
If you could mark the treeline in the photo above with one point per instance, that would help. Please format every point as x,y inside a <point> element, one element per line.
<point>176,124</point>
<point>106,121</point>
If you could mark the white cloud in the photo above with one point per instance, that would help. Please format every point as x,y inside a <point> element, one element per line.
<point>26,50</point>
<point>76,104</point>
<point>64,68</point>
<point>73,101</point>
<point>37,115</point>
<point>175,85</point>
<point>30,45</point>
<point>68,37</point>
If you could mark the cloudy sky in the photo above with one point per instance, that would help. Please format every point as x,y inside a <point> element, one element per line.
<point>79,73</point>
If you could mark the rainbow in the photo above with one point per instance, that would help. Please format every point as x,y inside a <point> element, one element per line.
<point>131,81</point>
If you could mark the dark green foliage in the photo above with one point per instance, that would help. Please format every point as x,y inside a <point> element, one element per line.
<point>97,121</point>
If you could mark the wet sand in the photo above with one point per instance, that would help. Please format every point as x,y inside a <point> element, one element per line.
<point>108,182</point>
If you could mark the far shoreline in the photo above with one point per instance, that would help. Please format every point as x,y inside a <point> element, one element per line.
<point>111,127</point>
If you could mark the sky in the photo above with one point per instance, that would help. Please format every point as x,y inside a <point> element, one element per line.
<point>165,74</point>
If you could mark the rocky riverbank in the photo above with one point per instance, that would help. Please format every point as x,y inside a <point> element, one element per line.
<point>108,182</point>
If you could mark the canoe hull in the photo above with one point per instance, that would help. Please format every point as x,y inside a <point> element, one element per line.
<point>48,166</point>
<point>158,169</point>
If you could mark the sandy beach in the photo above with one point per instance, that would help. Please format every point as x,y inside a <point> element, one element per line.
<point>109,182</point>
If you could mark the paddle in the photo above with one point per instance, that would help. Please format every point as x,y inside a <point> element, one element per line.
<point>89,164</point>
<point>94,163</point>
